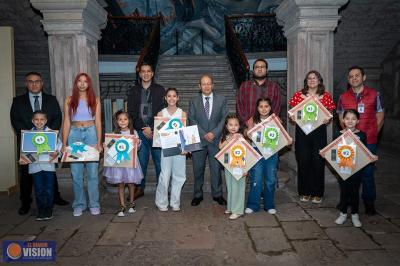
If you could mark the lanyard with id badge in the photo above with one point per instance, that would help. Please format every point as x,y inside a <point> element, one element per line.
<point>360,104</point>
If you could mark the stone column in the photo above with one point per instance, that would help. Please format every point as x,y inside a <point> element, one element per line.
<point>73,28</point>
<point>308,26</point>
<point>8,163</point>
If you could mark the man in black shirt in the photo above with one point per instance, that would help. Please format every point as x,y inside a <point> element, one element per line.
<point>145,100</point>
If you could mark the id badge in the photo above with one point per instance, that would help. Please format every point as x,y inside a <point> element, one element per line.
<point>360,108</point>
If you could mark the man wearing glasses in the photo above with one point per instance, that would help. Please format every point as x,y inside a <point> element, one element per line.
<point>253,89</point>
<point>21,112</point>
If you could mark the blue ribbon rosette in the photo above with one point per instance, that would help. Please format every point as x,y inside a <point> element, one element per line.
<point>122,148</point>
<point>78,147</point>
<point>174,123</point>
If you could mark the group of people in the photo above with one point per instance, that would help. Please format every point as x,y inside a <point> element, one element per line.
<point>360,110</point>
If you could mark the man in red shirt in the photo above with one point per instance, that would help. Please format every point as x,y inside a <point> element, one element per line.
<point>367,102</point>
<point>253,89</point>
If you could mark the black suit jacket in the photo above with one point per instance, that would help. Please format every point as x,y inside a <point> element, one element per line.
<point>21,113</point>
<point>157,94</point>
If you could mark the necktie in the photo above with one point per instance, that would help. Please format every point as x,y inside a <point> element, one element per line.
<point>207,107</point>
<point>36,104</point>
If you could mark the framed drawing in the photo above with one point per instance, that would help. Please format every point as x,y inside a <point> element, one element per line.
<point>309,114</point>
<point>37,146</point>
<point>80,152</point>
<point>164,123</point>
<point>270,136</point>
<point>238,157</point>
<point>347,154</point>
<point>120,150</point>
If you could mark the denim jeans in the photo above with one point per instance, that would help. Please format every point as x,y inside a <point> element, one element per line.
<point>88,136</point>
<point>368,179</point>
<point>144,155</point>
<point>263,170</point>
<point>43,182</point>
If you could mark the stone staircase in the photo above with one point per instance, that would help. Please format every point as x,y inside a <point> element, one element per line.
<point>183,72</point>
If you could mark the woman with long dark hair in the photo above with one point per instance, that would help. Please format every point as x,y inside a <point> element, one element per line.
<point>310,165</point>
<point>82,123</point>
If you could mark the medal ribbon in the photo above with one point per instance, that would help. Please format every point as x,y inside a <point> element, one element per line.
<point>310,112</point>
<point>174,123</point>
<point>238,153</point>
<point>122,147</point>
<point>346,156</point>
<point>78,146</point>
<point>271,136</point>
<point>40,141</point>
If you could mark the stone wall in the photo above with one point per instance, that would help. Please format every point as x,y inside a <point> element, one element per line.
<point>368,35</point>
<point>30,41</point>
<point>367,32</point>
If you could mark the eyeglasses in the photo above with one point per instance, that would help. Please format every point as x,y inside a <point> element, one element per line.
<point>36,82</point>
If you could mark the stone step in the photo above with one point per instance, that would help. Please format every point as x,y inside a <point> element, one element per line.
<point>192,75</point>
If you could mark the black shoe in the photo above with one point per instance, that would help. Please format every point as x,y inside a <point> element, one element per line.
<point>220,200</point>
<point>23,210</point>
<point>60,202</point>
<point>338,206</point>
<point>196,201</point>
<point>48,215</point>
<point>40,216</point>
<point>370,209</point>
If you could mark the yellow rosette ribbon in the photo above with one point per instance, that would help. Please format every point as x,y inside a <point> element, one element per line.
<point>346,155</point>
<point>238,152</point>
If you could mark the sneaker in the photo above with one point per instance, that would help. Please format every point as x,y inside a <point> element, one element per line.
<point>304,198</point>
<point>48,215</point>
<point>121,211</point>
<point>234,216</point>
<point>227,212</point>
<point>355,219</point>
<point>176,209</point>
<point>272,211</point>
<point>341,219</point>
<point>316,200</point>
<point>131,207</point>
<point>95,211</point>
<point>248,211</point>
<point>77,212</point>
<point>162,209</point>
<point>40,216</point>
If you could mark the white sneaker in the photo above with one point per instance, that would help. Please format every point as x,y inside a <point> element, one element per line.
<point>95,211</point>
<point>131,210</point>
<point>77,212</point>
<point>272,211</point>
<point>341,219</point>
<point>248,211</point>
<point>227,212</point>
<point>176,209</point>
<point>316,200</point>
<point>162,209</point>
<point>355,219</point>
<point>234,216</point>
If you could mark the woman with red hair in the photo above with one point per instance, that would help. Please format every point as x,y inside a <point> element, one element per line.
<point>82,123</point>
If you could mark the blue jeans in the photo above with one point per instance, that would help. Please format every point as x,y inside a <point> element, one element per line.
<point>88,136</point>
<point>368,179</point>
<point>263,170</point>
<point>43,182</point>
<point>144,156</point>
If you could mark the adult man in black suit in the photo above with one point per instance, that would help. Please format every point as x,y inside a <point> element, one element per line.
<point>21,112</point>
<point>208,111</point>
